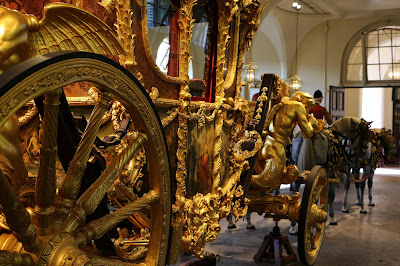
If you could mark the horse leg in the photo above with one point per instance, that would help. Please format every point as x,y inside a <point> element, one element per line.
<point>361,201</point>
<point>231,224</point>
<point>250,225</point>
<point>346,187</point>
<point>293,229</point>
<point>331,199</point>
<point>357,185</point>
<point>371,203</point>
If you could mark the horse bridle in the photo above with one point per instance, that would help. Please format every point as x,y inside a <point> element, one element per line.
<point>348,141</point>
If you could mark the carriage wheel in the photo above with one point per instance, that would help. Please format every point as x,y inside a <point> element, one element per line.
<point>56,232</point>
<point>313,215</point>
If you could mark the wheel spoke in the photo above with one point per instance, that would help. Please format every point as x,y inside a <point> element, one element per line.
<point>18,219</point>
<point>89,200</point>
<point>97,228</point>
<point>70,186</point>
<point>316,193</point>
<point>312,238</point>
<point>46,181</point>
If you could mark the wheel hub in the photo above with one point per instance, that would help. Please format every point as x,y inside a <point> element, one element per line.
<point>62,249</point>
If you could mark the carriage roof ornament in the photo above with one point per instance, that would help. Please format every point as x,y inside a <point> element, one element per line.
<point>63,27</point>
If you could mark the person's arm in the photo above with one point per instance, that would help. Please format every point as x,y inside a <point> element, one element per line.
<point>306,122</point>
<point>328,117</point>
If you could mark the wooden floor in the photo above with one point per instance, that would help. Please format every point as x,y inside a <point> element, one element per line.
<point>358,239</point>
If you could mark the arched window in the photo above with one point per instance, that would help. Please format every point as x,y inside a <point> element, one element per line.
<point>373,57</point>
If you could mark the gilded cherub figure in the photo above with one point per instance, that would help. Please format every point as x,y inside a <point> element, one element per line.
<point>270,167</point>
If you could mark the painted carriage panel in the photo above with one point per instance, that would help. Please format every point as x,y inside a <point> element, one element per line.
<point>199,159</point>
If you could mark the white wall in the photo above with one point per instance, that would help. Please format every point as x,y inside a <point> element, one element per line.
<point>268,48</point>
<point>311,64</point>
<point>353,102</point>
<point>372,104</point>
<point>317,69</point>
<point>267,58</point>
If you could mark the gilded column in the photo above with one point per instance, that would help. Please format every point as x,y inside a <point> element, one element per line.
<point>45,192</point>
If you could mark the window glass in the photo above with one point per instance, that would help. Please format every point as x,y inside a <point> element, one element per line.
<point>382,58</point>
<point>356,56</point>
<point>396,38</point>
<point>396,72</point>
<point>385,55</point>
<point>385,38</point>
<point>354,72</point>
<point>159,14</point>
<point>396,54</point>
<point>373,56</point>
<point>372,40</point>
<point>386,72</point>
<point>373,72</point>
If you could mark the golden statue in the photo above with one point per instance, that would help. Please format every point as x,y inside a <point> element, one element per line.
<point>284,116</point>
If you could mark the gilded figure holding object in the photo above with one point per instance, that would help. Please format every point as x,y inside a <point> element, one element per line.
<point>281,120</point>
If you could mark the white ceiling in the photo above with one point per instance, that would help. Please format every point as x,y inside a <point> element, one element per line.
<point>341,8</point>
<point>313,13</point>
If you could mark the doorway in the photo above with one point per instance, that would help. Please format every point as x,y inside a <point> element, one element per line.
<point>336,102</point>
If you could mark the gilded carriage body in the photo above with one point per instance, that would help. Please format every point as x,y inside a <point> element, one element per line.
<point>169,118</point>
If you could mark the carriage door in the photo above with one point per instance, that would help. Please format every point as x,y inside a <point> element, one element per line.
<point>336,102</point>
<point>396,118</point>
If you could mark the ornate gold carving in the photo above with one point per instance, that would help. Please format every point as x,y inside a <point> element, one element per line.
<point>181,154</point>
<point>171,117</point>
<point>100,40</point>
<point>226,11</point>
<point>112,80</point>
<point>6,109</point>
<point>219,122</point>
<point>199,216</point>
<point>132,248</point>
<point>233,42</point>
<point>274,206</point>
<point>24,119</point>
<point>11,160</point>
<point>249,20</point>
<point>18,219</point>
<point>125,32</point>
<point>14,258</point>
<point>154,93</point>
<point>185,33</point>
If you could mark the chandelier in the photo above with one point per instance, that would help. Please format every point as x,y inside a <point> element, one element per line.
<point>295,81</point>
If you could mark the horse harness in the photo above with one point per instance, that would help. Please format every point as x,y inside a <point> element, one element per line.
<point>347,141</point>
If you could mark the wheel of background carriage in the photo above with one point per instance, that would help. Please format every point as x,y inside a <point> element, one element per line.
<point>57,232</point>
<point>313,215</point>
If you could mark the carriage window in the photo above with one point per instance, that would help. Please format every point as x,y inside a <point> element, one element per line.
<point>381,60</point>
<point>159,15</point>
<point>201,48</point>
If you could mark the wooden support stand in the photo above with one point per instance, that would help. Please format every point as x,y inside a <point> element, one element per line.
<point>271,248</point>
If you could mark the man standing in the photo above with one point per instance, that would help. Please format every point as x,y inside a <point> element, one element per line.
<point>319,111</point>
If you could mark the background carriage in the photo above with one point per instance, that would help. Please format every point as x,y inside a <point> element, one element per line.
<point>174,163</point>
